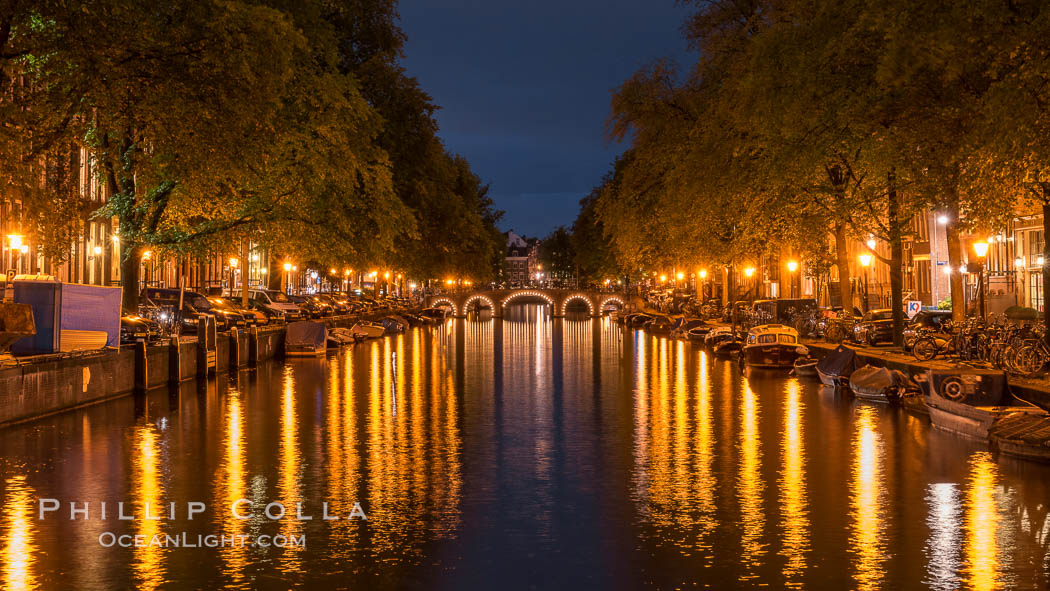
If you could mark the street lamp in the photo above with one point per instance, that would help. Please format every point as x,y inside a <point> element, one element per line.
<point>865,262</point>
<point>981,248</point>
<point>287,280</point>
<point>792,267</point>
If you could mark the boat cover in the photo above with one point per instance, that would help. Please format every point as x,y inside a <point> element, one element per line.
<point>839,363</point>
<point>306,334</point>
<point>92,308</point>
<point>875,379</point>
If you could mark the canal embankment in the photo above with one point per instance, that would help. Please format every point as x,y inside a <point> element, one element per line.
<point>36,386</point>
<point>1033,390</point>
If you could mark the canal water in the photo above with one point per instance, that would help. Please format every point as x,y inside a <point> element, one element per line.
<point>527,453</point>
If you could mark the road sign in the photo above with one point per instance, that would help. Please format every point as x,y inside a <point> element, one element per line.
<point>913,307</point>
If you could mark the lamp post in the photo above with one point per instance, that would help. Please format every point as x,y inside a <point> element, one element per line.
<point>981,248</point>
<point>749,272</point>
<point>792,267</point>
<point>865,262</point>
<point>286,280</point>
<point>702,276</point>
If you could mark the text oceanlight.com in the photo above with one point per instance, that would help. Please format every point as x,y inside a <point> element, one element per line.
<point>185,540</point>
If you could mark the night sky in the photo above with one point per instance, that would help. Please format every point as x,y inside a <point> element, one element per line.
<point>524,89</point>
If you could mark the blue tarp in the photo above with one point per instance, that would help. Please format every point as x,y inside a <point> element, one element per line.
<point>92,307</point>
<point>306,334</point>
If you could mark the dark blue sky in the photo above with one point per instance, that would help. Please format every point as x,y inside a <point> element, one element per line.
<point>524,89</point>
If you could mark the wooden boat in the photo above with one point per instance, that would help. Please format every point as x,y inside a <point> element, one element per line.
<point>771,345</point>
<point>968,402</point>
<point>686,325</point>
<point>660,325</point>
<point>878,383</point>
<point>305,339</point>
<point>718,335</point>
<point>698,334</point>
<point>337,337</point>
<point>1022,435</point>
<point>368,329</point>
<point>835,368</point>
<point>639,319</point>
<point>805,366</point>
<point>727,347</point>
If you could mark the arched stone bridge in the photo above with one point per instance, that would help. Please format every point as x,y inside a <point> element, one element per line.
<point>559,299</point>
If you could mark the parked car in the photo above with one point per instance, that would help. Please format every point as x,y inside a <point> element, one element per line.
<point>194,305</point>
<point>275,304</point>
<point>925,319</point>
<point>876,326</point>
<point>311,308</point>
<point>135,328</point>
<point>251,317</point>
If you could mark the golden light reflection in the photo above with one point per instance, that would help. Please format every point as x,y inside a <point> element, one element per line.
<point>231,487</point>
<point>866,501</point>
<point>17,527</point>
<point>749,483</point>
<point>149,492</point>
<point>945,524</point>
<point>794,514</point>
<point>981,548</point>
<point>288,481</point>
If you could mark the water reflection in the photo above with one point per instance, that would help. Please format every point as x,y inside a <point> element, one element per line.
<point>17,527</point>
<point>527,452</point>
<point>149,492</point>
<point>982,525</point>
<point>794,516</point>
<point>867,501</point>
<point>749,483</point>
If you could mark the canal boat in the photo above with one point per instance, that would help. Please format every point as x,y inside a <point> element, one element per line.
<point>686,325</point>
<point>835,368</point>
<point>771,345</point>
<point>879,384</point>
<point>639,320</point>
<point>337,337</point>
<point>698,334</point>
<point>805,366</point>
<point>305,339</point>
<point>1022,435</point>
<point>660,325</point>
<point>969,401</point>
<point>718,335</point>
<point>368,329</point>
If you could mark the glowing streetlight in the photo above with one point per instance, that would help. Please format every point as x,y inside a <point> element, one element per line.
<point>448,282</point>
<point>865,260</point>
<point>942,219</point>
<point>1019,262</point>
<point>386,275</point>
<point>1039,261</point>
<point>679,276</point>
<point>147,255</point>
<point>981,248</point>
<point>295,268</point>
<point>748,272</point>
<point>948,270</point>
<point>792,266</point>
<point>15,240</point>
<point>287,266</point>
<point>262,271</point>
<point>663,278</point>
<point>332,271</point>
<point>346,272</point>
<point>703,273</point>
<point>97,250</point>
<point>233,262</point>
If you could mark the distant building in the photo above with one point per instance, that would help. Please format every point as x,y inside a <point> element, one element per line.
<point>521,258</point>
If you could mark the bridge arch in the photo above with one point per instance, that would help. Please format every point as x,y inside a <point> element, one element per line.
<point>529,293</point>
<point>608,299</point>
<point>577,297</point>
<point>476,297</point>
<point>434,303</point>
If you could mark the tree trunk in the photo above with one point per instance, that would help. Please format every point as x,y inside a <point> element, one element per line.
<point>896,258</point>
<point>274,274</point>
<point>245,267</point>
<point>955,280</point>
<point>1046,256</point>
<point>130,260</point>
<point>842,262</point>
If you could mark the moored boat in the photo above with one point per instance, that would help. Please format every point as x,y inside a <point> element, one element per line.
<point>835,368</point>
<point>660,325</point>
<point>698,334</point>
<point>368,329</point>
<point>305,339</point>
<point>718,335</point>
<point>970,401</point>
<point>878,384</point>
<point>806,366</point>
<point>1022,435</point>
<point>771,345</point>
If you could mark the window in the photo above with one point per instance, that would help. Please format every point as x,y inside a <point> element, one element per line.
<point>767,338</point>
<point>787,338</point>
<point>1035,280</point>
<point>1035,246</point>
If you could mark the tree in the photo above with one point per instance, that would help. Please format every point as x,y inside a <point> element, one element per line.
<point>557,255</point>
